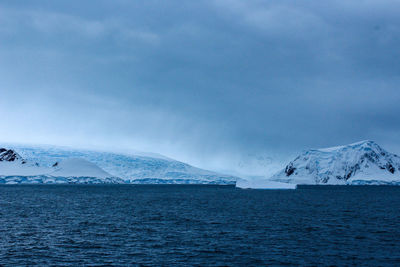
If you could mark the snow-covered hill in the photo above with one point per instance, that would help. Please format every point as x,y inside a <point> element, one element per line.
<point>139,168</point>
<point>74,167</point>
<point>364,162</point>
<point>14,169</point>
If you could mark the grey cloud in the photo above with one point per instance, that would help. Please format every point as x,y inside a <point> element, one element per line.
<point>208,82</point>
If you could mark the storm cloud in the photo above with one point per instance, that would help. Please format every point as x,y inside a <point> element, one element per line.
<point>212,83</point>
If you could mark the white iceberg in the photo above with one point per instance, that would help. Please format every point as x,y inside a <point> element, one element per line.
<point>263,184</point>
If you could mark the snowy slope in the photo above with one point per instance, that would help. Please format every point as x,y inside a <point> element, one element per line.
<point>11,163</point>
<point>364,162</point>
<point>137,168</point>
<point>78,168</point>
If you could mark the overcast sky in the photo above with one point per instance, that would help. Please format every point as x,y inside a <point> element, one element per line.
<point>212,83</point>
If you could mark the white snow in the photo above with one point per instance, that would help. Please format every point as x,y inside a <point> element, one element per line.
<point>16,168</point>
<point>263,184</point>
<point>75,167</point>
<point>336,148</point>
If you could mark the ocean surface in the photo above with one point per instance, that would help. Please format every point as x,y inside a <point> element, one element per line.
<point>185,225</point>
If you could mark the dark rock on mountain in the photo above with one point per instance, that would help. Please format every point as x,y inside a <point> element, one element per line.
<point>10,155</point>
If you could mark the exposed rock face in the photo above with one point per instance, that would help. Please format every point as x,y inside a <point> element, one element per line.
<point>364,161</point>
<point>10,155</point>
<point>289,170</point>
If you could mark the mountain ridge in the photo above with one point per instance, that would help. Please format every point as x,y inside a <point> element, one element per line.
<point>349,164</point>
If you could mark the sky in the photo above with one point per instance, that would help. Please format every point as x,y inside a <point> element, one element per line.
<point>235,85</point>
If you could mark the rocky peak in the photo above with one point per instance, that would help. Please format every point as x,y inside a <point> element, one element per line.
<point>10,155</point>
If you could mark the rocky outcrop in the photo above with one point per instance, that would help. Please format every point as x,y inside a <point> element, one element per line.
<point>10,155</point>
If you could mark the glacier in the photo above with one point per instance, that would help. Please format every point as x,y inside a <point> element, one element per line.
<point>41,164</point>
<point>361,163</point>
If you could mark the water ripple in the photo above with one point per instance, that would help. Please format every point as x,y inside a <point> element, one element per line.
<point>98,225</point>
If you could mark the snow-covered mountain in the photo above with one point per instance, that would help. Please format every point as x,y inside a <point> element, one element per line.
<point>14,169</point>
<point>364,162</point>
<point>137,168</point>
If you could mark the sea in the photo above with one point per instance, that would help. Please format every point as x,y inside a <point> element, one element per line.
<point>198,225</point>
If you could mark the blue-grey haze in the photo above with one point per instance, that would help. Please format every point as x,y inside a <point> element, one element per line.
<point>207,82</point>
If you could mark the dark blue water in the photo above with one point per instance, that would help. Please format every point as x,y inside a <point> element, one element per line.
<point>198,225</point>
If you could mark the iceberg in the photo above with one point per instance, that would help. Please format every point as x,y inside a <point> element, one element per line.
<point>263,184</point>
